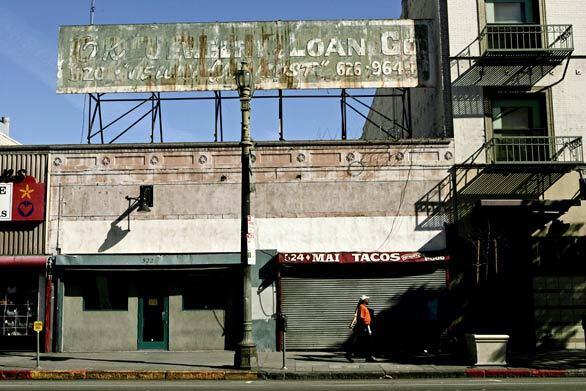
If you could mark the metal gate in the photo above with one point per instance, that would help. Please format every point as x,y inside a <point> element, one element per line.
<point>319,310</point>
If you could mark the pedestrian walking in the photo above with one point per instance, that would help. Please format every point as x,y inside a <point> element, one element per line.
<point>362,331</point>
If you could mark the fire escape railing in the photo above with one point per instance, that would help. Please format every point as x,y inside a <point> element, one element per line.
<point>502,38</point>
<point>534,149</point>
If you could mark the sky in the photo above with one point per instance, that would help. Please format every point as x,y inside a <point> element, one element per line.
<point>38,115</point>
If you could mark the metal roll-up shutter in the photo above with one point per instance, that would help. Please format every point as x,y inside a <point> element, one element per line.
<point>319,310</point>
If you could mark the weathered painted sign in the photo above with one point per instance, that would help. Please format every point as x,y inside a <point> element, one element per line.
<point>348,257</point>
<point>205,56</point>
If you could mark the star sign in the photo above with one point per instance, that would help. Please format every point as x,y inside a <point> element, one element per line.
<point>26,192</point>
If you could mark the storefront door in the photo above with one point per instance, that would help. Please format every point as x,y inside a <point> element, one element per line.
<point>153,322</point>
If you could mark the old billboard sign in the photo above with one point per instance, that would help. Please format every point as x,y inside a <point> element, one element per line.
<point>205,56</point>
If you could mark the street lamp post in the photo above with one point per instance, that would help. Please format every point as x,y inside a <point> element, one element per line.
<point>246,348</point>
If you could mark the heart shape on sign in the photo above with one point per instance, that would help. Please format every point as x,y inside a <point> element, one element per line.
<point>26,208</point>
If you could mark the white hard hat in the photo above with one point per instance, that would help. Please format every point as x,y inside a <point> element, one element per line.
<point>364,297</point>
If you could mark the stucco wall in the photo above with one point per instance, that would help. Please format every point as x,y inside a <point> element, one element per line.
<point>93,331</point>
<point>195,329</point>
<point>321,199</point>
<point>97,331</point>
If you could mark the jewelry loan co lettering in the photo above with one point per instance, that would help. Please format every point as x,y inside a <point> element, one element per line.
<point>205,56</point>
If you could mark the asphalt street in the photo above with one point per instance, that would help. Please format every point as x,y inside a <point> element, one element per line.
<point>566,384</point>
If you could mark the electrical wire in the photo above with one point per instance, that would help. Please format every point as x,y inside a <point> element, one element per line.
<point>401,200</point>
<point>259,294</point>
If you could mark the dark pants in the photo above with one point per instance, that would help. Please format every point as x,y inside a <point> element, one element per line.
<point>360,342</point>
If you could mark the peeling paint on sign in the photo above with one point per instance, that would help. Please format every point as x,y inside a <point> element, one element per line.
<point>205,56</point>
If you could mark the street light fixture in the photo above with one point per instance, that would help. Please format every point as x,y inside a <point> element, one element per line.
<point>246,348</point>
<point>145,199</point>
<point>244,80</point>
<point>143,203</point>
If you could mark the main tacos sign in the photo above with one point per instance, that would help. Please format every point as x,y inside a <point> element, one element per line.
<point>205,56</point>
<point>359,257</point>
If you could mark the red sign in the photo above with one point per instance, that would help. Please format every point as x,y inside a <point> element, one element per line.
<point>28,200</point>
<point>347,257</point>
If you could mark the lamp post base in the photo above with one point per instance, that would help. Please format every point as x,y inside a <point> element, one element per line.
<point>243,356</point>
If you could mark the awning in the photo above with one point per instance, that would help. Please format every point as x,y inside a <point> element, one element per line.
<point>147,260</point>
<point>360,258</point>
<point>23,261</point>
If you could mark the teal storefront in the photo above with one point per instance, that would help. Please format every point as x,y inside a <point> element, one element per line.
<point>177,302</point>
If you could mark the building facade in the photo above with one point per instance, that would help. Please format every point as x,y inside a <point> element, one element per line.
<point>167,278</point>
<point>471,224</point>
<point>509,97</point>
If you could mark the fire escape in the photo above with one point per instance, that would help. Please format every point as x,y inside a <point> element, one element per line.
<point>492,203</point>
<point>510,58</point>
<point>513,164</point>
<point>514,168</point>
<point>514,56</point>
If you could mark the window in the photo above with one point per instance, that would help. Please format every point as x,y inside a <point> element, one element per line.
<point>519,130</point>
<point>204,291</point>
<point>18,303</point>
<point>514,117</point>
<point>105,292</point>
<point>518,117</point>
<point>510,11</point>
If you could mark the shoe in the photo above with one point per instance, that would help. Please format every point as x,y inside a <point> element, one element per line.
<point>371,359</point>
<point>348,357</point>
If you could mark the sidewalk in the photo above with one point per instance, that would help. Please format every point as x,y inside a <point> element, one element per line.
<point>217,365</point>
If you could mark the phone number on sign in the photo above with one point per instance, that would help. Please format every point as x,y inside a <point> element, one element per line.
<point>376,68</point>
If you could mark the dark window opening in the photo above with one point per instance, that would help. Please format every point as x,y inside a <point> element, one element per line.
<point>104,292</point>
<point>516,117</point>
<point>205,292</point>
<point>509,13</point>
<point>512,11</point>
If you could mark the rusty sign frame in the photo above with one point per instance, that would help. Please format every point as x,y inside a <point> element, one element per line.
<point>401,128</point>
<point>283,55</point>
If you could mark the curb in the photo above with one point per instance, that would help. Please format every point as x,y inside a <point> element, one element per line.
<point>523,372</point>
<point>28,374</point>
<point>322,375</point>
<point>447,374</point>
